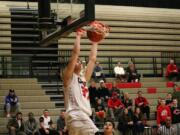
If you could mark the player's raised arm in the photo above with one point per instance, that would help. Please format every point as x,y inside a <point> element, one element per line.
<point>68,72</point>
<point>92,60</point>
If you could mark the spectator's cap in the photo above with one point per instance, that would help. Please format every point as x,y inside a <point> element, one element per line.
<point>11,90</point>
<point>101,81</point>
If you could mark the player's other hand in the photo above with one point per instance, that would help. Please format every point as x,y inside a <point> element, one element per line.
<point>80,32</point>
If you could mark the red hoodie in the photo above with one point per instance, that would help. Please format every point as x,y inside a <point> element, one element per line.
<point>112,103</point>
<point>171,68</point>
<point>162,113</point>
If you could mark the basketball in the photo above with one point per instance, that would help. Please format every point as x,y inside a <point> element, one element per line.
<point>94,36</point>
<point>98,31</point>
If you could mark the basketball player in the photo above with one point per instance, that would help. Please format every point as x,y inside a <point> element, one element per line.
<point>76,92</point>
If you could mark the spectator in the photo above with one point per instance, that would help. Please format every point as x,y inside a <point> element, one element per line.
<point>31,125</point>
<point>176,93</point>
<point>142,103</point>
<point>128,103</point>
<point>100,110</point>
<point>175,111</point>
<point>115,89</point>
<point>16,125</point>
<point>167,129</point>
<point>119,72</point>
<point>98,72</point>
<point>109,127</point>
<point>11,102</point>
<point>115,106</point>
<point>44,123</point>
<point>132,73</point>
<point>52,128</point>
<point>93,93</point>
<point>125,123</point>
<point>172,71</point>
<point>169,99</point>
<point>61,126</point>
<point>138,122</point>
<point>163,112</point>
<point>103,91</point>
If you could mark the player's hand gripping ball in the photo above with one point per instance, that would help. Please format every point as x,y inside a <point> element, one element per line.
<point>98,32</point>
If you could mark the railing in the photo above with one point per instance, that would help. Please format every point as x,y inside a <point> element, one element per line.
<point>26,65</point>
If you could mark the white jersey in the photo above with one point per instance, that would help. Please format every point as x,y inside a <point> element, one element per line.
<point>77,96</point>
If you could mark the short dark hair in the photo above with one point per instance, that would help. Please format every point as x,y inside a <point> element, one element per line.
<point>46,110</point>
<point>18,113</point>
<point>30,114</point>
<point>139,91</point>
<point>111,121</point>
<point>11,90</point>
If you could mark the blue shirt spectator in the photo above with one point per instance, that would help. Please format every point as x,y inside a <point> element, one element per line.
<point>11,101</point>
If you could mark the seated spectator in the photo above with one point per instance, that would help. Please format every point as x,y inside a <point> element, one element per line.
<point>128,103</point>
<point>44,123</point>
<point>93,93</point>
<point>109,127</point>
<point>169,99</point>
<point>61,126</point>
<point>167,129</point>
<point>115,89</point>
<point>119,72</point>
<point>125,125</point>
<point>98,73</point>
<point>175,111</point>
<point>138,122</point>
<point>52,128</point>
<point>176,93</point>
<point>16,125</point>
<point>100,110</point>
<point>172,71</point>
<point>132,73</point>
<point>115,106</point>
<point>31,125</point>
<point>103,92</point>
<point>11,103</point>
<point>163,112</point>
<point>142,103</point>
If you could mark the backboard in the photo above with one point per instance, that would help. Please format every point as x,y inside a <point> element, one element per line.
<point>70,16</point>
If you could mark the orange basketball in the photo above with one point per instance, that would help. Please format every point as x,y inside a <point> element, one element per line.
<point>98,31</point>
<point>94,36</point>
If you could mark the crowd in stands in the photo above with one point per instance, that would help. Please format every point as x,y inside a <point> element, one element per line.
<point>112,104</point>
<point>130,73</point>
<point>44,126</point>
<point>119,106</point>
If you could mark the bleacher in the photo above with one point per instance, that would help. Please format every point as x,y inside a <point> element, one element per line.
<point>31,96</point>
<point>134,34</point>
<point>148,38</point>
